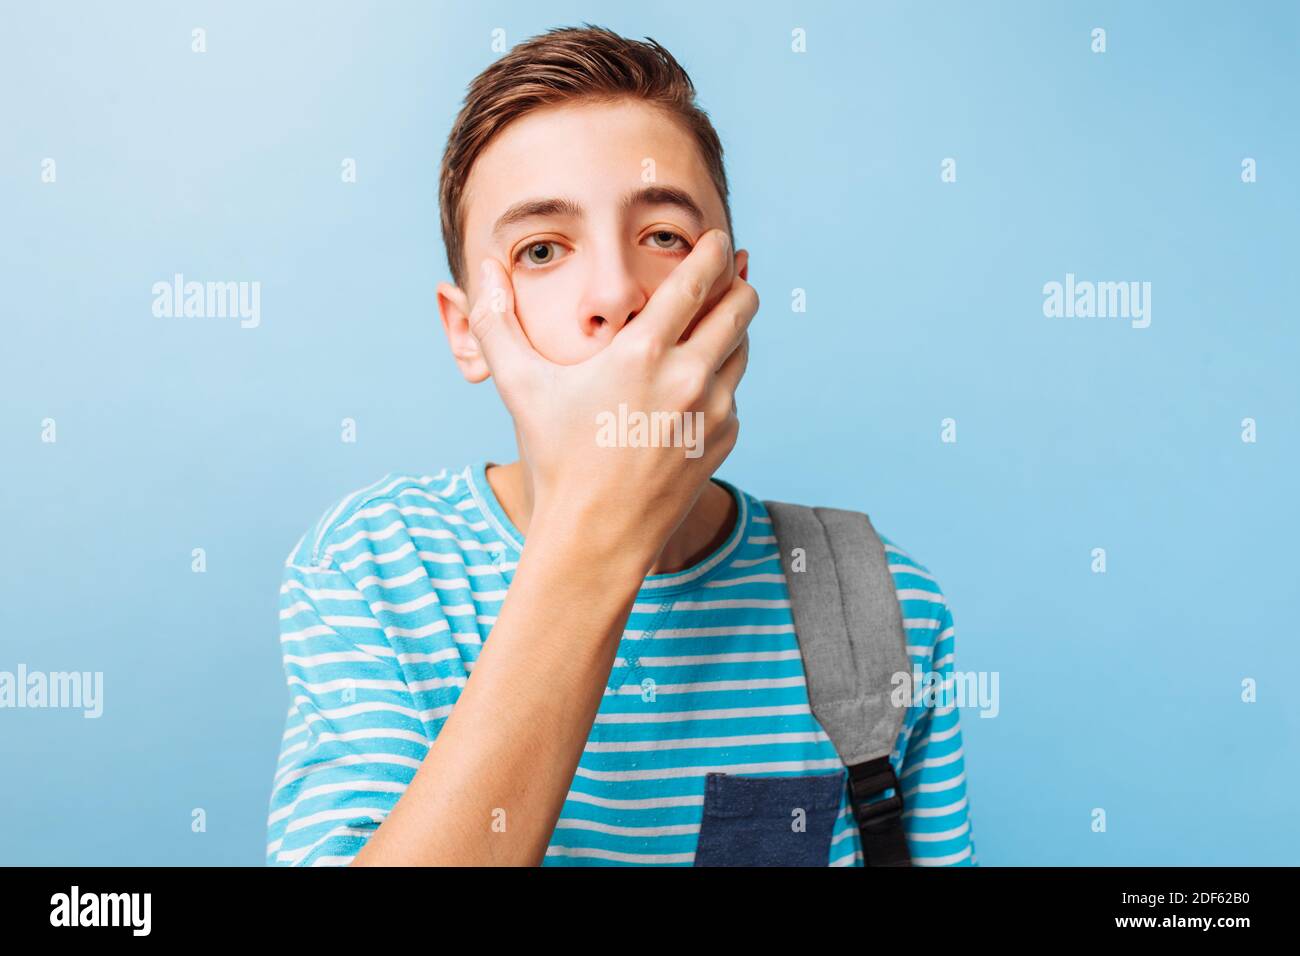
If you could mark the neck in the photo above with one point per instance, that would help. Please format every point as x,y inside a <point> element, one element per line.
<point>704,529</point>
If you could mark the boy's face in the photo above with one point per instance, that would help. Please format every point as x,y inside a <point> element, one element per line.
<point>582,270</point>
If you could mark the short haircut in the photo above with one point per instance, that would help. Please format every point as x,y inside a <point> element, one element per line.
<point>564,65</point>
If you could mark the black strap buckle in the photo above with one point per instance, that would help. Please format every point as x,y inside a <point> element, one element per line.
<point>870,779</point>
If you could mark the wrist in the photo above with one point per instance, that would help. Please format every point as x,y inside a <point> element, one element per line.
<point>622,546</point>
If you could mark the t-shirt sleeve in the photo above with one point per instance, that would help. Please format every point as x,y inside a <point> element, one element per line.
<point>933,779</point>
<point>353,737</point>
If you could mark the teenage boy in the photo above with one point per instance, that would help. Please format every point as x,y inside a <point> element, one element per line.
<point>458,698</point>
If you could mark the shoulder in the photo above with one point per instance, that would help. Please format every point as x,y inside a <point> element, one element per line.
<point>926,615</point>
<point>383,514</point>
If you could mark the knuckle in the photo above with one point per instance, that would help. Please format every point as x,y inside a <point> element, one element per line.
<point>694,288</point>
<point>646,350</point>
<point>738,360</point>
<point>694,382</point>
<point>730,432</point>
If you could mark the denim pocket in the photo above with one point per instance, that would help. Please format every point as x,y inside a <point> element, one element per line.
<point>769,821</point>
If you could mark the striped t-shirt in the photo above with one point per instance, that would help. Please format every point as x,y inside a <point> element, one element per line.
<point>384,608</point>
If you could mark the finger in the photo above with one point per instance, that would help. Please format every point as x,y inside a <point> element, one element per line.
<point>733,368</point>
<point>493,323</point>
<point>680,297</point>
<point>718,333</point>
<point>739,263</point>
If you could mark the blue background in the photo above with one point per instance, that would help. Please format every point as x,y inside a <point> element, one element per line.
<point>1119,691</point>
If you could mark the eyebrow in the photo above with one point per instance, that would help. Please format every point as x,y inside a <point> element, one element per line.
<point>568,208</point>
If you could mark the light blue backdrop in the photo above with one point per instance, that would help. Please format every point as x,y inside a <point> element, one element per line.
<point>1119,690</point>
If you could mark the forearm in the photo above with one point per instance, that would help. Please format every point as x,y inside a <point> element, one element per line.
<point>492,785</point>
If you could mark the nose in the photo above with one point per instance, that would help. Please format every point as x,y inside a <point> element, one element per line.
<point>612,296</point>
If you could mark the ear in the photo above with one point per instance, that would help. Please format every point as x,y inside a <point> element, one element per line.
<point>454,307</point>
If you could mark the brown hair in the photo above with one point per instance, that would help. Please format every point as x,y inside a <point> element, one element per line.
<point>562,65</point>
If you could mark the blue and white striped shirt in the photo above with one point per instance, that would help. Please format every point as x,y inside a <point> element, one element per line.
<point>384,608</point>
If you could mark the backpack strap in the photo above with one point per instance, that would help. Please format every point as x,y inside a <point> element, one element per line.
<point>850,632</point>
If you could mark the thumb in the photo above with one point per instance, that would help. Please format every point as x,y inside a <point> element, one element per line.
<point>493,323</point>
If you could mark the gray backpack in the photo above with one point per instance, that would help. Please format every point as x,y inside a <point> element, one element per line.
<point>850,632</point>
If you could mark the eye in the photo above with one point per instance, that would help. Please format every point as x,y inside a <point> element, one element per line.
<point>667,236</point>
<point>538,254</point>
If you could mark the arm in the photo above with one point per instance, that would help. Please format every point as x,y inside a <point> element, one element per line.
<point>358,781</point>
<point>495,779</point>
<point>353,737</point>
<point>933,779</point>
<point>494,782</point>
